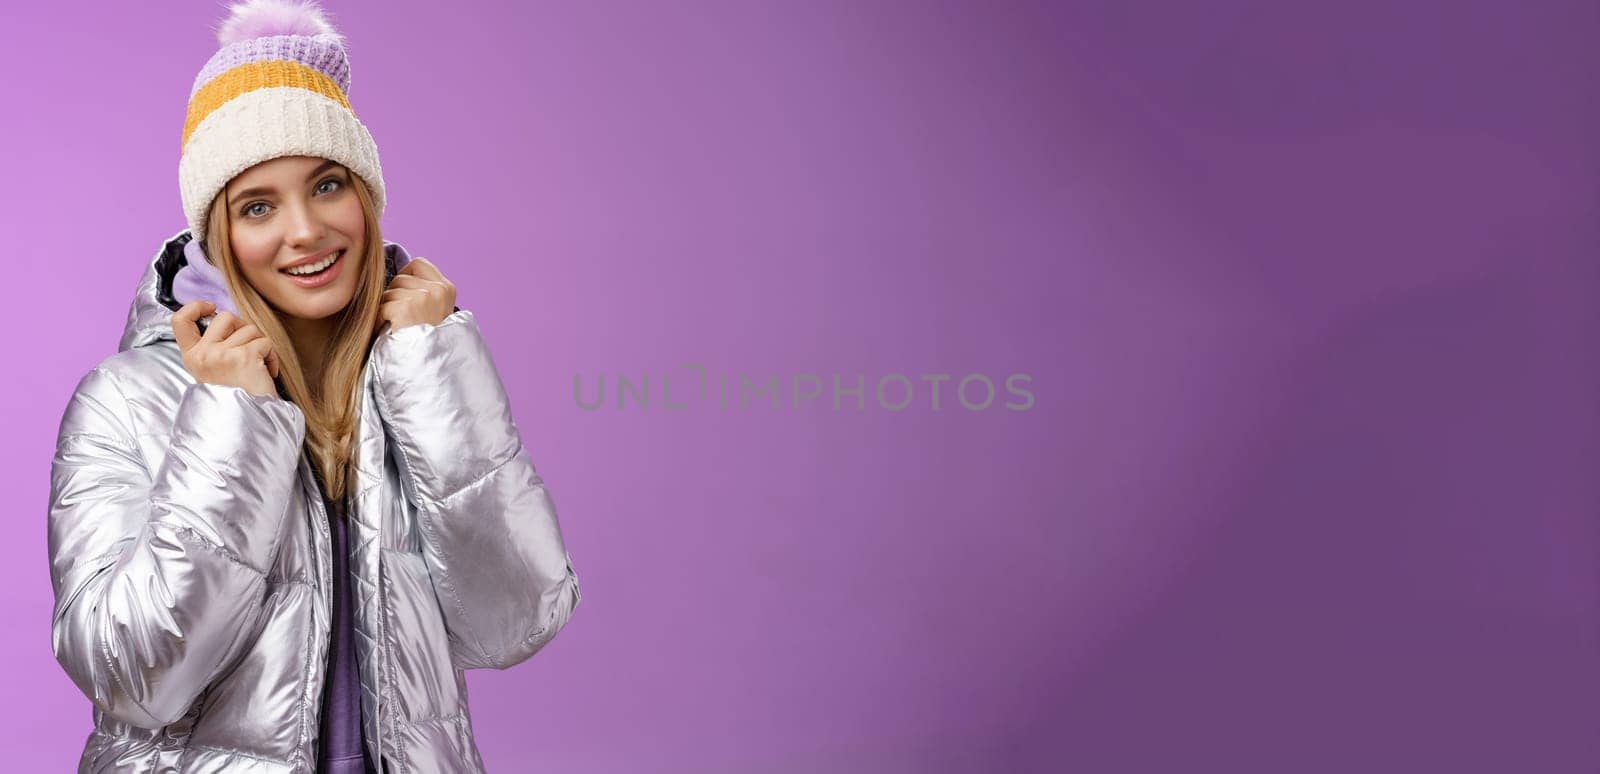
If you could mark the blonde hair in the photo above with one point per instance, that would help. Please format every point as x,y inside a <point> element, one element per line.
<point>331,406</point>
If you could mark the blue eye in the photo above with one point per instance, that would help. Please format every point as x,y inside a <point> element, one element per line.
<point>338,185</point>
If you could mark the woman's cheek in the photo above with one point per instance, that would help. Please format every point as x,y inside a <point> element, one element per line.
<point>256,267</point>
<point>251,256</point>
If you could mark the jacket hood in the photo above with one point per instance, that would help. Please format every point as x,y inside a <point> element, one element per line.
<point>179,273</point>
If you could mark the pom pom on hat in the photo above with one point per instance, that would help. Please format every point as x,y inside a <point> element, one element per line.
<point>265,18</point>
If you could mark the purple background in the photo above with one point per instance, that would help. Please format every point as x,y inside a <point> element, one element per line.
<point>1307,292</point>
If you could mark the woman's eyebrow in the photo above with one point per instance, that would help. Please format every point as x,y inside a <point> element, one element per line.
<point>264,190</point>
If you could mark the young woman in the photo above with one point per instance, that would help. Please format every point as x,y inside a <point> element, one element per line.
<point>293,507</point>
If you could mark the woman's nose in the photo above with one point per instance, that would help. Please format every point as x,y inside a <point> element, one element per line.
<point>305,228</point>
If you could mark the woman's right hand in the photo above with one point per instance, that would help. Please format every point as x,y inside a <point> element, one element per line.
<point>230,353</point>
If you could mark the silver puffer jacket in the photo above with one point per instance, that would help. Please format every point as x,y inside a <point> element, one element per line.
<point>190,553</point>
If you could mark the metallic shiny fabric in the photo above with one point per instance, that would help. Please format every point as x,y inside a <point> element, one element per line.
<point>190,554</point>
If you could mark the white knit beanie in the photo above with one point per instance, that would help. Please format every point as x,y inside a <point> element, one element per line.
<point>276,88</point>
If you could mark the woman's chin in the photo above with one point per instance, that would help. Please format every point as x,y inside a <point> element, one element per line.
<point>313,308</point>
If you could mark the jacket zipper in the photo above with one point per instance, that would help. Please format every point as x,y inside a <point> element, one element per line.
<point>325,592</point>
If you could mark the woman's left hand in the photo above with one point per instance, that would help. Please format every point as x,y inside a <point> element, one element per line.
<point>417,294</point>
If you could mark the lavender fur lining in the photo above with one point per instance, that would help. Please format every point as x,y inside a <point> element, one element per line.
<point>200,281</point>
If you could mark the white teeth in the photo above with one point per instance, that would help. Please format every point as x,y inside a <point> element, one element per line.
<point>316,267</point>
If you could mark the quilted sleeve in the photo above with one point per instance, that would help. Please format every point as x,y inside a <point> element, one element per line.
<point>490,535</point>
<point>159,577</point>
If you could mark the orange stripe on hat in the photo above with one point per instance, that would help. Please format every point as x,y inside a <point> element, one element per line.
<point>257,75</point>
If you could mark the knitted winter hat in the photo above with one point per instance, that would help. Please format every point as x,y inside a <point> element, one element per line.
<point>277,87</point>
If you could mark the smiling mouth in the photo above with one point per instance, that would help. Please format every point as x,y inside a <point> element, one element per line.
<point>315,268</point>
